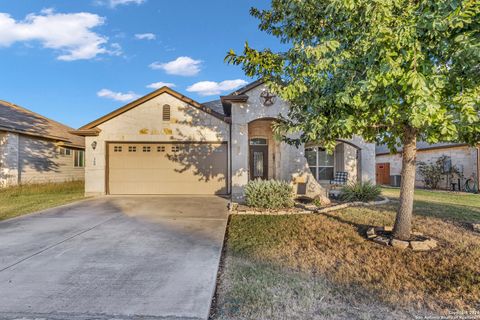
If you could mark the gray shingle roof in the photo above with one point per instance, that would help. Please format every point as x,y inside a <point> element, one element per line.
<point>215,105</point>
<point>17,119</point>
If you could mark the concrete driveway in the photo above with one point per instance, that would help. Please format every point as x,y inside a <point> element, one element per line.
<point>113,258</point>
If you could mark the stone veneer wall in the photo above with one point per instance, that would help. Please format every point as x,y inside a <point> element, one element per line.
<point>27,159</point>
<point>292,164</point>
<point>40,161</point>
<point>462,156</point>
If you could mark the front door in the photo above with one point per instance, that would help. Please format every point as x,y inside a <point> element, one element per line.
<point>258,162</point>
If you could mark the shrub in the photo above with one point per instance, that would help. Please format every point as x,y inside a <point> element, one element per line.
<point>433,173</point>
<point>269,194</point>
<point>359,191</point>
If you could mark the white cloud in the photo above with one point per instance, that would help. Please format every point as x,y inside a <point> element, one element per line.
<point>158,85</point>
<point>70,33</point>
<point>145,36</point>
<point>118,96</point>
<point>114,3</point>
<point>210,88</point>
<point>182,66</point>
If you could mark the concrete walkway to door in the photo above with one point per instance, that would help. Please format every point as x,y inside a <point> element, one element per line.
<point>113,258</point>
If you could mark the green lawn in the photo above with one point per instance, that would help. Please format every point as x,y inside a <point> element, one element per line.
<point>322,267</point>
<point>15,201</point>
<point>443,204</point>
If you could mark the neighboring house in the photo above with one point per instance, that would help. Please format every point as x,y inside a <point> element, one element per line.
<point>36,149</point>
<point>462,156</point>
<point>166,143</point>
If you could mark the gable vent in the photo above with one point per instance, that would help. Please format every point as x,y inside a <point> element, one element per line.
<point>166,112</point>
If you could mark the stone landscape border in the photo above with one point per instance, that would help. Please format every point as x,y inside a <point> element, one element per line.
<point>422,243</point>
<point>307,208</point>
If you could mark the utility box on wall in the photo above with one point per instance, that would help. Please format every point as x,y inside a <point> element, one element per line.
<point>395,180</point>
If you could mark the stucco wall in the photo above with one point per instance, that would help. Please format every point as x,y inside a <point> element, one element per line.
<point>291,160</point>
<point>462,157</point>
<point>144,123</point>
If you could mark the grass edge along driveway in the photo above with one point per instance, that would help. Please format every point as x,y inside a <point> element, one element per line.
<point>19,200</point>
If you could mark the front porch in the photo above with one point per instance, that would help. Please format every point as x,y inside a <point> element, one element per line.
<point>308,168</point>
<point>255,152</point>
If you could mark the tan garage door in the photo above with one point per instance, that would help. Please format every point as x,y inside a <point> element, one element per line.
<point>180,168</point>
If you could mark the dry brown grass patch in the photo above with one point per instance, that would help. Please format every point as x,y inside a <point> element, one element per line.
<point>332,250</point>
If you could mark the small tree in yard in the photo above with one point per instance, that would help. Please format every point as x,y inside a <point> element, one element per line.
<point>391,71</point>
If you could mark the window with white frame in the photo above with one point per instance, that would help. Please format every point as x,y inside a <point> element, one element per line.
<point>321,163</point>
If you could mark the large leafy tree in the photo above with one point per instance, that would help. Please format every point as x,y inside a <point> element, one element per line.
<point>391,71</point>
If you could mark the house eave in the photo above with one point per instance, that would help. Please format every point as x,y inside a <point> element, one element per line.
<point>93,132</point>
<point>234,98</point>
<point>146,98</point>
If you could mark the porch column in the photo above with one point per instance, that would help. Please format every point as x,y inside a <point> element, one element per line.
<point>239,160</point>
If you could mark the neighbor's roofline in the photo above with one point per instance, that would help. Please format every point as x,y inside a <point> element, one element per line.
<point>146,98</point>
<point>246,88</point>
<point>62,139</point>
<point>446,146</point>
<point>44,136</point>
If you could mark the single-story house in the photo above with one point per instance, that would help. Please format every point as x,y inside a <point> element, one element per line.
<point>462,156</point>
<point>167,143</point>
<point>35,149</point>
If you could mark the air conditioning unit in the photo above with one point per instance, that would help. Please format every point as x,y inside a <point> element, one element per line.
<point>395,180</point>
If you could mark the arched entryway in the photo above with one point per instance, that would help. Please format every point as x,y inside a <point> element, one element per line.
<point>263,149</point>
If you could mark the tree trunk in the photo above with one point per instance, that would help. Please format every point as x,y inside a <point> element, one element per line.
<point>403,220</point>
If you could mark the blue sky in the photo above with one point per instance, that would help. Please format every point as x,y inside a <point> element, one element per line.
<point>75,61</point>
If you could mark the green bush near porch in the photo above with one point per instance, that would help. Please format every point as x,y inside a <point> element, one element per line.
<point>269,194</point>
<point>360,191</point>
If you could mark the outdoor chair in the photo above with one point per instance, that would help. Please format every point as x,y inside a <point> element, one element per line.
<point>341,178</point>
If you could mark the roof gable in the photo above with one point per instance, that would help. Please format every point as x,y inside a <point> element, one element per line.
<point>131,105</point>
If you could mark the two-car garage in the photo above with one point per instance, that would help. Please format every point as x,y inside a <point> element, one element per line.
<point>167,168</point>
<point>160,144</point>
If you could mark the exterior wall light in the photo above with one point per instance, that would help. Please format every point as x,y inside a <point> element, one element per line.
<point>94,145</point>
